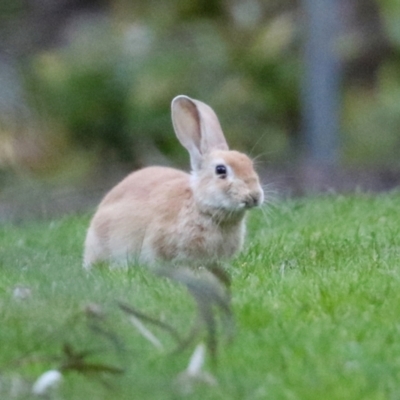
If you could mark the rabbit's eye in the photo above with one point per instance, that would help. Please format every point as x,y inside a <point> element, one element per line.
<point>221,171</point>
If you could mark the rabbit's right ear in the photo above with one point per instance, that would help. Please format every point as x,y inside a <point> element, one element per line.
<point>197,128</point>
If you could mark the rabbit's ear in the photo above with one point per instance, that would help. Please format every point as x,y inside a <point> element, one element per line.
<point>197,128</point>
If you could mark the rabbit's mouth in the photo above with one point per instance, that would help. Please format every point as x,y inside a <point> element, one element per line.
<point>252,200</point>
<point>241,205</point>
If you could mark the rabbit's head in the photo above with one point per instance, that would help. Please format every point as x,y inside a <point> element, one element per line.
<point>224,182</point>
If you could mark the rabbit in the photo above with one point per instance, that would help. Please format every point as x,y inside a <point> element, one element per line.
<point>161,214</point>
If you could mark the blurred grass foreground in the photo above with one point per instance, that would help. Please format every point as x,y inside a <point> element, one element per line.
<point>86,88</point>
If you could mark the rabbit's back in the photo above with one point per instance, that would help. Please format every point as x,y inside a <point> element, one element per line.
<point>144,185</point>
<point>123,219</point>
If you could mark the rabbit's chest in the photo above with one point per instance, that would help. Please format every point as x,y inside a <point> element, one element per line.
<point>199,241</point>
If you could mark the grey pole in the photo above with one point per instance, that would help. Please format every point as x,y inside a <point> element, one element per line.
<point>321,84</point>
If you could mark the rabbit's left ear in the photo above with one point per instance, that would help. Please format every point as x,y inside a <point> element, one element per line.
<point>197,128</point>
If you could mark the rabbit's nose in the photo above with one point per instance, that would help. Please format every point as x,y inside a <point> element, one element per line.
<point>253,200</point>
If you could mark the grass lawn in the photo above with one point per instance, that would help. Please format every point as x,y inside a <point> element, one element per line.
<point>315,293</point>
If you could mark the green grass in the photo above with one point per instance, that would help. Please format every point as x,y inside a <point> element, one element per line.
<point>316,296</point>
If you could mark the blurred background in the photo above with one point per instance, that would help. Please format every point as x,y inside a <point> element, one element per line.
<point>310,89</point>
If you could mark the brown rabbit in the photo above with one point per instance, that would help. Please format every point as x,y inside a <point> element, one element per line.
<point>163,214</point>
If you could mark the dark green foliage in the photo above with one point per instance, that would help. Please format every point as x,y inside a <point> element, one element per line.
<point>104,83</point>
